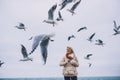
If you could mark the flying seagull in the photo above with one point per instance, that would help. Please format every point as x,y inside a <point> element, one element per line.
<point>31,38</point>
<point>51,15</point>
<point>64,3</point>
<point>74,7</point>
<point>81,29</point>
<point>99,42</point>
<point>25,54</point>
<point>89,64</point>
<point>1,63</point>
<point>21,26</point>
<point>88,56</point>
<point>69,37</point>
<point>91,37</point>
<point>43,40</point>
<point>116,28</point>
<point>60,16</point>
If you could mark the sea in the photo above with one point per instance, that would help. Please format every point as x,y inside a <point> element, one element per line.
<point>80,78</point>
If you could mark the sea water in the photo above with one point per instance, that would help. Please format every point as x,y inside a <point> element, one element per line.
<point>80,78</point>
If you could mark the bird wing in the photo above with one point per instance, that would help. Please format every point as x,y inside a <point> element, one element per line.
<point>100,41</point>
<point>81,29</point>
<point>118,27</point>
<point>69,38</point>
<point>72,36</point>
<point>31,38</point>
<point>90,64</point>
<point>92,36</point>
<point>44,44</point>
<point>36,42</point>
<point>64,3</point>
<point>59,13</point>
<point>24,51</point>
<point>69,1</point>
<point>115,25</point>
<point>75,5</point>
<point>115,30</point>
<point>51,11</point>
<point>1,64</point>
<point>89,55</point>
<point>21,24</point>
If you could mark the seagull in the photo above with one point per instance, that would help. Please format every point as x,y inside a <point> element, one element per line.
<point>64,3</point>
<point>60,16</point>
<point>1,63</point>
<point>88,56</point>
<point>21,26</point>
<point>74,7</point>
<point>99,42</point>
<point>81,29</point>
<point>31,38</point>
<point>43,40</point>
<point>25,54</point>
<point>89,64</point>
<point>116,28</point>
<point>91,37</point>
<point>69,37</point>
<point>51,15</point>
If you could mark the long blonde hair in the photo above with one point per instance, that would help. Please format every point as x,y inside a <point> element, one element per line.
<point>67,54</point>
<point>70,49</point>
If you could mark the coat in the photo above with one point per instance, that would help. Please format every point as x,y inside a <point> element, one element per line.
<point>69,68</point>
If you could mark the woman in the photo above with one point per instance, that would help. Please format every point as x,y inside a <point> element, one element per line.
<point>69,62</point>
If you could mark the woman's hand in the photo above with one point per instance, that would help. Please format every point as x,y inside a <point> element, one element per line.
<point>72,62</point>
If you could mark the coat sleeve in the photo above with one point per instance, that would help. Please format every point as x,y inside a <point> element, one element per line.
<point>63,62</point>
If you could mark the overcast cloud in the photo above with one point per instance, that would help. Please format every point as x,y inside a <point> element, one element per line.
<point>96,15</point>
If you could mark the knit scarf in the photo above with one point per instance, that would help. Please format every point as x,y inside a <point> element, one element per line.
<point>69,56</point>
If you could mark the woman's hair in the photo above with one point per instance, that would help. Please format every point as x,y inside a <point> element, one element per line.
<point>67,54</point>
<point>71,49</point>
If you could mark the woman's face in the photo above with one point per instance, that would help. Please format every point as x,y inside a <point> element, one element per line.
<point>69,50</point>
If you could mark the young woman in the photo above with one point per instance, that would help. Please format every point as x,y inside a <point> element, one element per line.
<point>69,62</point>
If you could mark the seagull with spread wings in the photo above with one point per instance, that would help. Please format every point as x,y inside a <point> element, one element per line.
<point>51,15</point>
<point>74,7</point>
<point>81,29</point>
<point>69,37</point>
<point>43,41</point>
<point>88,56</point>
<point>99,42</point>
<point>91,37</point>
<point>25,54</point>
<point>21,26</point>
<point>116,28</point>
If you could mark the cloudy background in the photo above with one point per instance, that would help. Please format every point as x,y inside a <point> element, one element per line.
<point>96,15</point>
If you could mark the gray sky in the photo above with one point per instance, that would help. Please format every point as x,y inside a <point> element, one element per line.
<point>96,15</point>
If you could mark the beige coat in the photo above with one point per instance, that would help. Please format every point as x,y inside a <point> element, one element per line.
<point>69,67</point>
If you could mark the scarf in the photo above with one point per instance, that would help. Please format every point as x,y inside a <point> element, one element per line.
<point>69,56</point>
